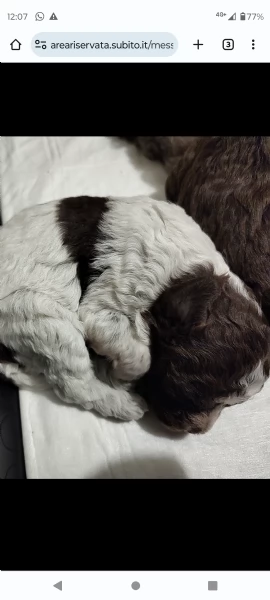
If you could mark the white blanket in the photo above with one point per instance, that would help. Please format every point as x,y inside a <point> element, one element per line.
<point>62,441</point>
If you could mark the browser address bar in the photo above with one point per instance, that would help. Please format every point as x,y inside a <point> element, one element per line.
<point>104,44</point>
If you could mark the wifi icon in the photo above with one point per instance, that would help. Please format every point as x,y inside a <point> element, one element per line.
<point>233,17</point>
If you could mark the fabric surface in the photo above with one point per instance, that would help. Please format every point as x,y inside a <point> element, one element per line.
<point>62,441</point>
<point>11,447</point>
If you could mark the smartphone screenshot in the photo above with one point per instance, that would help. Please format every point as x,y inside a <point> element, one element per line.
<point>134,269</point>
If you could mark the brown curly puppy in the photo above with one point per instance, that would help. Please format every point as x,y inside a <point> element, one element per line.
<point>224,184</point>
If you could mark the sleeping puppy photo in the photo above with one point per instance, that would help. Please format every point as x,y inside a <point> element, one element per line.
<point>224,184</point>
<point>138,282</point>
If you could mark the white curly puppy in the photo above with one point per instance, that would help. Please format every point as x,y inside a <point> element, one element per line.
<point>86,272</point>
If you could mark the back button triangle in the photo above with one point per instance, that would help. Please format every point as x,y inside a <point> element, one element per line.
<point>58,585</point>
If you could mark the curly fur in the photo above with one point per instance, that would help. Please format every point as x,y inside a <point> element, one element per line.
<point>113,275</point>
<point>167,150</point>
<point>197,348</point>
<point>224,184</point>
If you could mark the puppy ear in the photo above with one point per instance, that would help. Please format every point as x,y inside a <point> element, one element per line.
<point>185,304</point>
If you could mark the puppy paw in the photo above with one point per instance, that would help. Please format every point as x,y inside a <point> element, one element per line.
<point>122,405</point>
<point>134,366</point>
<point>135,409</point>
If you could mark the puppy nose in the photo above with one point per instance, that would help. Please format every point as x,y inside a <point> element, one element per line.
<point>183,428</point>
<point>205,421</point>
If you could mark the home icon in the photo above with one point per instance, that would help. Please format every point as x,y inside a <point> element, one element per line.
<point>15,45</point>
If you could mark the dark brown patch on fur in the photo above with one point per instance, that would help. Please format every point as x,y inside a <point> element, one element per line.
<point>79,219</point>
<point>225,187</point>
<point>223,183</point>
<point>204,338</point>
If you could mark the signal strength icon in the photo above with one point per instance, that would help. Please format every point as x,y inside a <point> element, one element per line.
<point>233,17</point>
